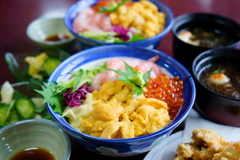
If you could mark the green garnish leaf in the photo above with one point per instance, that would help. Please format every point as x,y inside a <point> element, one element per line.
<point>146,77</point>
<point>74,82</point>
<point>136,78</point>
<point>49,93</point>
<point>113,6</point>
<point>79,78</point>
<point>135,37</point>
<point>217,71</point>
<point>100,36</point>
<point>52,92</point>
<point>129,70</point>
<point>137,91</point>
<point>109,37</point>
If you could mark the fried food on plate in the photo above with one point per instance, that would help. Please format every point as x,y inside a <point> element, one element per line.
<point>208,145</point>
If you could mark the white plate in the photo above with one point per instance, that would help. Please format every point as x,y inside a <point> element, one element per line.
<point>167,149</point>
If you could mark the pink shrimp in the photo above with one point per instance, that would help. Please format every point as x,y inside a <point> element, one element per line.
<point>145,66</point>
<point>88,20</point>
<point>106,75</point>
<point>150,64</point>
<point>106,24</point>
<point>116,64</point>
<point>81,21</point>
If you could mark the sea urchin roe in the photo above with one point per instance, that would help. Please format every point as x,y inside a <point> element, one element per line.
<point>169,90</point>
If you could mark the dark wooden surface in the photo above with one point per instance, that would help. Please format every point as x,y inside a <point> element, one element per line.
<point>15,15</point>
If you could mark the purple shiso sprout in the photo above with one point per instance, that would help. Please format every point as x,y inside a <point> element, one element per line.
<point>77,97</point>
<point>122,32</point>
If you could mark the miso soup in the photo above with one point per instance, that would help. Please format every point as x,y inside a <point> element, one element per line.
<point>230,88</point>
<point>204,38</point>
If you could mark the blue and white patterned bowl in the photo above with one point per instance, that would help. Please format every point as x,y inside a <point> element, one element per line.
<point>34,133</point>
<point>131,146</point>
<point>88,43</point>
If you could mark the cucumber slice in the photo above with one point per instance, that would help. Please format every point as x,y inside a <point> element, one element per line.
<point>50,64</point>
<point>25,108</point>
<point>37,116</point>
<point>3,113</point>
<point>13,117</point>
<point>39,105</point>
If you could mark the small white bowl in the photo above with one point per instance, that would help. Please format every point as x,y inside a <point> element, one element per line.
<point>41,29</point>
<point>37,133</point>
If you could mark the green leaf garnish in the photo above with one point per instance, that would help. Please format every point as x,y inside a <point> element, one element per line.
<point>50,95</point>
<point>100,36</point>
<point>110,36</point>
<point>217,71</point>
<point>74,82</point>
<point>136,78</point>
<point>79,78</point>
<point>52,92</point>
<point>113,6</point>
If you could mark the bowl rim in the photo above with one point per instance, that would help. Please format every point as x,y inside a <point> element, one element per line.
<point>19,83</point>
<point>45,122</point>
<point>164,32</point>
<point>196,63</point>
<point>187,15</point>
<point>171,126</point>
<point>50,19</point>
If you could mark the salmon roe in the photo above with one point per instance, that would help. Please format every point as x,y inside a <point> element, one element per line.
<point>169,90</point>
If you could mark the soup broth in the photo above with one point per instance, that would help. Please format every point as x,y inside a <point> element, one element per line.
<point>230,88</point>
<point>33,154</point>
<point>205,38</point>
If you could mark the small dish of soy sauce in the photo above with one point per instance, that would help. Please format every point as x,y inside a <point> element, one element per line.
<point>50,33</point>
<point>34,139</point>
<point>57,37</point>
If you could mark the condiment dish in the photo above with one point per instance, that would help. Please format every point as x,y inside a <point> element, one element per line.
<point>50,33</point>
<point>32,136</point>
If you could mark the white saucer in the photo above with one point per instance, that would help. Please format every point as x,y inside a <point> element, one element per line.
<point>167,149</point>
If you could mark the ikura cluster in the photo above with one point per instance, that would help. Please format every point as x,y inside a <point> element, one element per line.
<point>169,90</point>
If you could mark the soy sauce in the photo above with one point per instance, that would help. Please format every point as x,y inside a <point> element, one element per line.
<point>57,37</point>
<point>33,154</point>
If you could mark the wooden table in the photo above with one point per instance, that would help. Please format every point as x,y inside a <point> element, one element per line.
<point>15,15</point>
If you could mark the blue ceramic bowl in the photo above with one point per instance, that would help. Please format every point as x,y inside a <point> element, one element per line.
<point>131,146</point>
<point>88,43</point>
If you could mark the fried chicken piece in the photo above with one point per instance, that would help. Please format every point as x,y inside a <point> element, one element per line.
<point>210,139</point>
<point>186,150</point>
<point>232,152</point>
<point>204,154</point>
<point>208,145</point>
<point>190,151</point>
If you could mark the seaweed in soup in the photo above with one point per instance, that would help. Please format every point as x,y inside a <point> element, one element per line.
<point>230,88</point>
